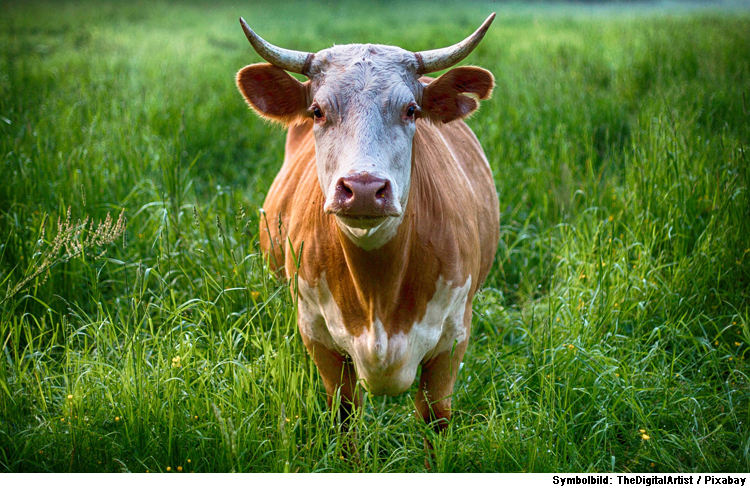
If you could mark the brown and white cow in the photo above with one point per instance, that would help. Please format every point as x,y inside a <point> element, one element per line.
<point>393,198</point>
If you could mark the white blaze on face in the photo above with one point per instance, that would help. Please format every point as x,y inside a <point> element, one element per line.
<point>386,365</point>
<point>363,91</point>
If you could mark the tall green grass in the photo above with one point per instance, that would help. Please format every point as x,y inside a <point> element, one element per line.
<point>612,333</point>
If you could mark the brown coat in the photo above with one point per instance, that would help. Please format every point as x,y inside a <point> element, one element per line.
<point>450,230</point>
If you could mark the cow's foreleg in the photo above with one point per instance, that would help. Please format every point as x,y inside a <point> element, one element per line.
<point>435,391</point>
<point>339,378</point>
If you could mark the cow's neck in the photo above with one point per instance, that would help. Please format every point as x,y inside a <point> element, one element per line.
<point>378,274</point>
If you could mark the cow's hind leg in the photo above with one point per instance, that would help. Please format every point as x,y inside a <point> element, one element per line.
<point>435,391</point>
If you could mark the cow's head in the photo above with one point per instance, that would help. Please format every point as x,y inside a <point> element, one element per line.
<point>364,101</point>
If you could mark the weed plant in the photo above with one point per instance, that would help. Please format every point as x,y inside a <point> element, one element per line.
<point>611,335</point>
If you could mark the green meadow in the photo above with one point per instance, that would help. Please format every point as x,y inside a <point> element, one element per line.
<point>141,329</point>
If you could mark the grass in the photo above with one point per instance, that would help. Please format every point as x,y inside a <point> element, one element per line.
<point>611,335</point>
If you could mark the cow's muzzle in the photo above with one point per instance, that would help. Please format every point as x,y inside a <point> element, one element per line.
<point>363,197</point>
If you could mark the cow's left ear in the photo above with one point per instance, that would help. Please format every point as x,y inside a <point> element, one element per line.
<point>273,93</point>
<point>452,96</point>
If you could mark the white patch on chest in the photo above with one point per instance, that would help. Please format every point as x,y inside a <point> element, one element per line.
<point>386,365</point>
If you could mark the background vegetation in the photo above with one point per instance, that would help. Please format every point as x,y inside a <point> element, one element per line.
<point>612,333</point>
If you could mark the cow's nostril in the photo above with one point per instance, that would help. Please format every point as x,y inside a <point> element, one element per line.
<point>381,192</point>
<point>344,189</point>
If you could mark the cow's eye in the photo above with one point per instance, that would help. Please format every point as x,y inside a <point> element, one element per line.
<point>410,111</point>
<point>317,112</point>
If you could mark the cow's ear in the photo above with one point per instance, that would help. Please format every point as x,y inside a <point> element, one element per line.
<point>273,93</point>
<point>454,95</point>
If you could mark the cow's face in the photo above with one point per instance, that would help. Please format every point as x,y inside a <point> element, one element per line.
<point>364,104</point>
<point>363,101</point>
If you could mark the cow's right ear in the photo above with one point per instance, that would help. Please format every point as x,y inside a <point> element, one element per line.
<point>273,93</point>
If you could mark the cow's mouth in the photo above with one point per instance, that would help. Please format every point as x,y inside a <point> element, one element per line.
<point>359,218</point>
<point>364,218</point>
<point>363,221</point>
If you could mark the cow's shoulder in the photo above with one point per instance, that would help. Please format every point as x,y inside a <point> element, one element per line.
<point>293,184</point>
<point>455,202</point>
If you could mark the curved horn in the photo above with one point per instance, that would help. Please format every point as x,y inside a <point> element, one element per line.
<point>289,60</point>
<point>440,59</point>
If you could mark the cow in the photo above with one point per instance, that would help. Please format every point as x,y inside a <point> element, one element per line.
<point>384,215</point>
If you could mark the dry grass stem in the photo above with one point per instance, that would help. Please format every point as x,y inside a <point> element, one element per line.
<point>71,241</point>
